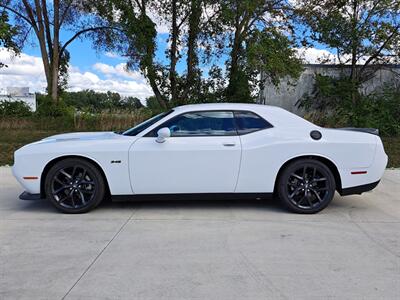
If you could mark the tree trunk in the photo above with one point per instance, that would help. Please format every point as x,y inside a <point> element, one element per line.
<point>192,59</point>
<point>55,57</point>
<point>354,47</point>
<point>151,75</point>
<point>235,53</point>
<point>40,33</point>
<point>147,66</point>
<point>173,52</point>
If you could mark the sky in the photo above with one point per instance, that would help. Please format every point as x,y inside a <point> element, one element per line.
<point>90,69</point>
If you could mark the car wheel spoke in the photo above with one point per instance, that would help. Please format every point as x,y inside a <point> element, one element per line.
<point>82,196</point>
<point>60,189</point>
<point>309,199</point>
<point>66,174</point>
<point>296,190</point>
<point>87,191</point>
<point>320,189</point>
<point>316,194</point>
<point>301,200</point>
<point>296,176</point>
<point>86,182</point>
<point>63,199</point>
<point>74,171</point>
<point>319,179</point>
<point>59,181</point>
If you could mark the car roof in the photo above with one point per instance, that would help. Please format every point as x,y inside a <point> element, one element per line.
<point>219,106</point>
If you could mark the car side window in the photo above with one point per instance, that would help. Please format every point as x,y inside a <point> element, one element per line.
<point>202,123</point>
<point>248,122</point>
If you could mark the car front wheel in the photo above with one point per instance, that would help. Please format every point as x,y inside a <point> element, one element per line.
<point>306,186</point>
<point>74,185</point>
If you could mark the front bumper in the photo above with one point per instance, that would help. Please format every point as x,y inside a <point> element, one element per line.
<point>20,170</point>
<point>28,196</point>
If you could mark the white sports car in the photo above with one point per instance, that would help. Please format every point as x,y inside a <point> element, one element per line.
<point>237,150</point>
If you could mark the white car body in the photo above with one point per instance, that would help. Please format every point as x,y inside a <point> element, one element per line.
<point>248,163</point>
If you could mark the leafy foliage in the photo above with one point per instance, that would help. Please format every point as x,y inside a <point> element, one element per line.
<point>91,101</point>
<point>250,35</point>
<point>48,108</point>
<point>362,32</point>
<point>331,104</point>
<point>257,32</point>
<point>15,109</point>
<point>7,35</point>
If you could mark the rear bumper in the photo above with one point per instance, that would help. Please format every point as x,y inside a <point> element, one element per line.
<point>359,189</point>
<point>29,196</point>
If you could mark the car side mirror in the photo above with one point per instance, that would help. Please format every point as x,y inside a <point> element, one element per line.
<point>163,134</point>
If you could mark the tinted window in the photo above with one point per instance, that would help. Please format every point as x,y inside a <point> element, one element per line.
<point>249,122</point>
<point>146,124</point>
<point>210,123</point>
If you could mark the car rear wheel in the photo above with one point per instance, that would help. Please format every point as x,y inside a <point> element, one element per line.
<point>306,186</point>
<point>74,185</point>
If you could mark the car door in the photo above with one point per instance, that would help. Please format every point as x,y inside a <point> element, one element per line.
<point>201,156</point>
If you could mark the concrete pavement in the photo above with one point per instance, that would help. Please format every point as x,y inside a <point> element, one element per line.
<point>201,249</point>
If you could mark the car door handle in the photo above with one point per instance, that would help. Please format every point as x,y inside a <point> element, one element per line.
<point>229,144</point>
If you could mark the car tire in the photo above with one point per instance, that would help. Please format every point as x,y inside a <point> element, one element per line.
<point>74,185</point>
<point>306,186</point>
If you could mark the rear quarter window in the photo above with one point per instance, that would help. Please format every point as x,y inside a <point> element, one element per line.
<point>248,122</point>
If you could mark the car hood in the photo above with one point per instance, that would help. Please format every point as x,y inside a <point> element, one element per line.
<point>102,135</point>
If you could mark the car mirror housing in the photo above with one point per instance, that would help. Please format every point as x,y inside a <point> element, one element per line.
<point>163,134</point>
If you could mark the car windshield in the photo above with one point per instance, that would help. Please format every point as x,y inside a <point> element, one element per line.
<point>146,124</point>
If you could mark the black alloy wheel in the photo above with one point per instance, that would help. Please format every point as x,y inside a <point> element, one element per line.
<point>74,185</point>
<point>306,186</point>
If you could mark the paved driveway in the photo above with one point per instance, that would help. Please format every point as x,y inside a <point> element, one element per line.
<point>201,249</point>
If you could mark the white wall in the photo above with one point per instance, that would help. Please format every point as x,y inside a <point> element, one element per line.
<point>29,99</point>
<point>290,91</point>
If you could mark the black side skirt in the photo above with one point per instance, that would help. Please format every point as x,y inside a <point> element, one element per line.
<point>28,196</point>
<point>359,189</point>
<point>198,196</point>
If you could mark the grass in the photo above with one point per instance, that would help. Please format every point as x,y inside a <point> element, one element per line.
<point>392,148</point>
<point>13,138</point>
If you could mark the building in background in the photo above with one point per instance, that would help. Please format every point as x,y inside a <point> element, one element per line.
<point>289,91</point>
<point>19,94</point>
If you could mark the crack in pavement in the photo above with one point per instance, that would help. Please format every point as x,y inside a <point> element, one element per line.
<point>100,253</point>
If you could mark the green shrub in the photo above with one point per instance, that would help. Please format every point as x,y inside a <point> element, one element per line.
<point>14,109</point>
<point>335,102</point>
<point>47,108</point>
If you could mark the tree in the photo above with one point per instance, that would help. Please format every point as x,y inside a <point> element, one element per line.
<point>7,35</point>
<point>46,20</point>
<point>259,45</point>
<point>365,34</point>
<point>136,41</point>
<point>189,28</point>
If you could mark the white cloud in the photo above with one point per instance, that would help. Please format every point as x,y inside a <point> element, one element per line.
<point>27,71</point>
<point>118,70</point>
<point>161,25</point>
<point>88,80</point>
<point>315,56</point>
<point>112,55</point>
